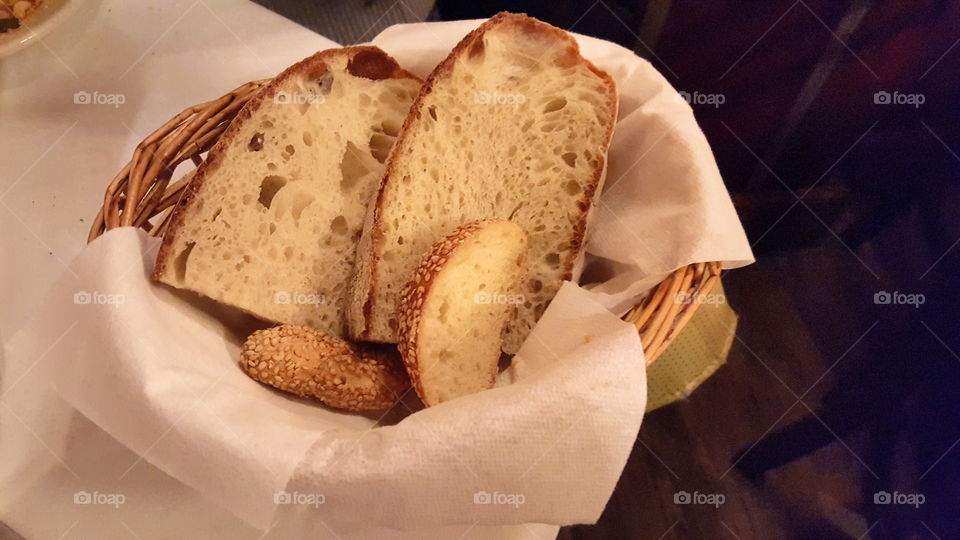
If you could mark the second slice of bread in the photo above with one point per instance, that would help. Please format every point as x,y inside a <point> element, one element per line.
<point>454,310</point>
<point>514,124</point>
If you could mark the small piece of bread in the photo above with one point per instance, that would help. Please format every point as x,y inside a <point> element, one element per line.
<point>302,361</point>
<point>514,124</point>
<point>270,221</point>
<point>454,310</point>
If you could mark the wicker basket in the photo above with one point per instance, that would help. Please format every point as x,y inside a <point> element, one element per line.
<point>141,195</point>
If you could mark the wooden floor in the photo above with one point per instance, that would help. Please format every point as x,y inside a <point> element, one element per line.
<point>808,326</point>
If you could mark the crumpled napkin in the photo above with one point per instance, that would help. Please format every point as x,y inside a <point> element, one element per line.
<point>157,370</point>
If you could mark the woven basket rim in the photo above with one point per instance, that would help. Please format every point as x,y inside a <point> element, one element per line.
<point>142,195</point>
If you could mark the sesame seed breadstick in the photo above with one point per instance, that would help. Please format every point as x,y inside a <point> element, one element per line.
<point>302,361</point>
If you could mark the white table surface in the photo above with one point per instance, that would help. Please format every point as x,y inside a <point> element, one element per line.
<point>56,158</point>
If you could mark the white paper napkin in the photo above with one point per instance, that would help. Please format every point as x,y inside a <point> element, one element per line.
<point>158,373</point>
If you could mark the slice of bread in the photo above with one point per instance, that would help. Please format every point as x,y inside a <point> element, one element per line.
<point>270,222</point>
<point>513,124</point>
<point>302,361</point>
<point>454,310</point>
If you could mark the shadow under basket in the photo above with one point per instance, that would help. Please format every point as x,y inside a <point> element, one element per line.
<point>141,195</point>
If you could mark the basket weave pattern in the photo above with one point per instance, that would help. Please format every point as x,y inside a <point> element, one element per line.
<point>141,195</point>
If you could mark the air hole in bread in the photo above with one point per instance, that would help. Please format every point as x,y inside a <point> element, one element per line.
<point>288,253</point>
<point>307,138</point>
<point>271,166</point>
<point>571,187</point>
<point>555,104</point>
<point>269,188</point>
<point>338,225</point>
<point>290,149</point>
<point>476,51</point>
<point>216,214</point>
<point>553,259</point>
<point>351,167</point>
<point>380,146</point>
<point>535,285</point>
<point>180,262</point>
<point>390,127</point>
<point>256,142</point>
<point>372,64</point>
<point>324,83</point>
<point>570,158</point>
<point>433,112</point>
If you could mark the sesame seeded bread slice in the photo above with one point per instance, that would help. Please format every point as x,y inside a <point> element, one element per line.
<point>270,222</point>
<point>302,361</point>
<point>454,310</point>
<point>515,124</point>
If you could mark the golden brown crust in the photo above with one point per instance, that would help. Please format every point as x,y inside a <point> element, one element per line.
<point>316,64</point>
<point>302,361</point>
<point>416,291</point>
<point>466,46</point>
